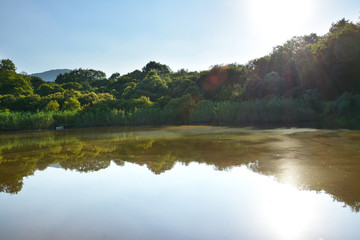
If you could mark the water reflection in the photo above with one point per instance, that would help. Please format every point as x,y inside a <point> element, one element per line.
<point>309,159</point>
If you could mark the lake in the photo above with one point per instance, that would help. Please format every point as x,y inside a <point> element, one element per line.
<point>183,182</point>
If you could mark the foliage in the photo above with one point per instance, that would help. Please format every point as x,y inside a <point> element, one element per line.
<point>13,83</point>
<point>141,102</point>
<point>339,55</point>
<point>180,107</point>
<point>36,82</point>
<point>71,85</point>
<point>53,105</point>
<point>48,88</point>
<point>80,76</point>
<point>158,67</point>
<point>343,112</point>
<point>71,104</point>
<point>202,112</point>
<point>306,77</point>
<point>151,86</point>
<point>6,65</point>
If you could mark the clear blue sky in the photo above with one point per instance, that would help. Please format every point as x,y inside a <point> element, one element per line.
<point>121,36</point>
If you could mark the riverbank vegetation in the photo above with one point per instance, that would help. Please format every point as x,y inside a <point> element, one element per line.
<point>307,79</point>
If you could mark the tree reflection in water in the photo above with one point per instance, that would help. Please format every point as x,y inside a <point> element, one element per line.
<point>319,160</point>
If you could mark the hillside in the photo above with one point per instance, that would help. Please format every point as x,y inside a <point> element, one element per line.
<point>308,79</point>
<point>51,75</point>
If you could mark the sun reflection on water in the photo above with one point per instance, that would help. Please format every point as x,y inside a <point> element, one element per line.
<point>289,213</point>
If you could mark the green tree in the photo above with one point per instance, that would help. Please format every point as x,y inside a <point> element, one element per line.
<point>88,98</point>
<point>13,83</point>
<point>36,82</point>
<point>273,84</point>
<point>115,76</point>
<point>129,90</point>
<point>163,101</point>
<point>53,105</point>
<point>141,102</point>
<point>7,65</point>
<point>48,88</point>
<point>152,86</point>
<point>212,81</point>
<point>180,87</point>
<point>72,104</point>
<point>7,101</point>
<point>158,67</point>
<point>71,85</point>
<point>137,74</point>
<point>180,107</point>
<point>80,76</point>
<point>338,53</point>
<point>26,103</point>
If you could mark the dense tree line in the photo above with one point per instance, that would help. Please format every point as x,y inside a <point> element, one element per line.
<point>319,74</point>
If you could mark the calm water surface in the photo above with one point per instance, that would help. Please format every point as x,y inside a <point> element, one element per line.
<point>188,182</point>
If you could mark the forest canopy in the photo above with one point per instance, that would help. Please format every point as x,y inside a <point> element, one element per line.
<point>308,78</point>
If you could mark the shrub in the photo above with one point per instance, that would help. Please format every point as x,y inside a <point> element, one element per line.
<point>72,104</point>
<point>53,105</point>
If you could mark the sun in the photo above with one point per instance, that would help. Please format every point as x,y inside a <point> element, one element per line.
<point>279,18</point>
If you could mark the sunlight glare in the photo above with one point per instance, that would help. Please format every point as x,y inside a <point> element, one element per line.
<point>280,18</point>
<point>288,212</point>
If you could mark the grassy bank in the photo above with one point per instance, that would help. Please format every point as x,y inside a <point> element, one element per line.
<point>274,110</point>
<point>205,112</point>
<point>278,111</point>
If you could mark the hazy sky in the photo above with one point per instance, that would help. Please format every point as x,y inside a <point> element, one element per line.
<point>121,36</point>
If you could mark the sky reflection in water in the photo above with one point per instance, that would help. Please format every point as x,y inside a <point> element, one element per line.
<point>203,183</point>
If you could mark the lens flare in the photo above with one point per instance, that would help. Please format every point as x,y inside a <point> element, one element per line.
<point>215,79</point>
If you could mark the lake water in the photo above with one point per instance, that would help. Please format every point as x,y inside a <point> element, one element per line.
<point>188,182</point>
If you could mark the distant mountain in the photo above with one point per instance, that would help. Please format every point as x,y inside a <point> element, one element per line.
<point>51,75</point>
<point>56,165</point>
